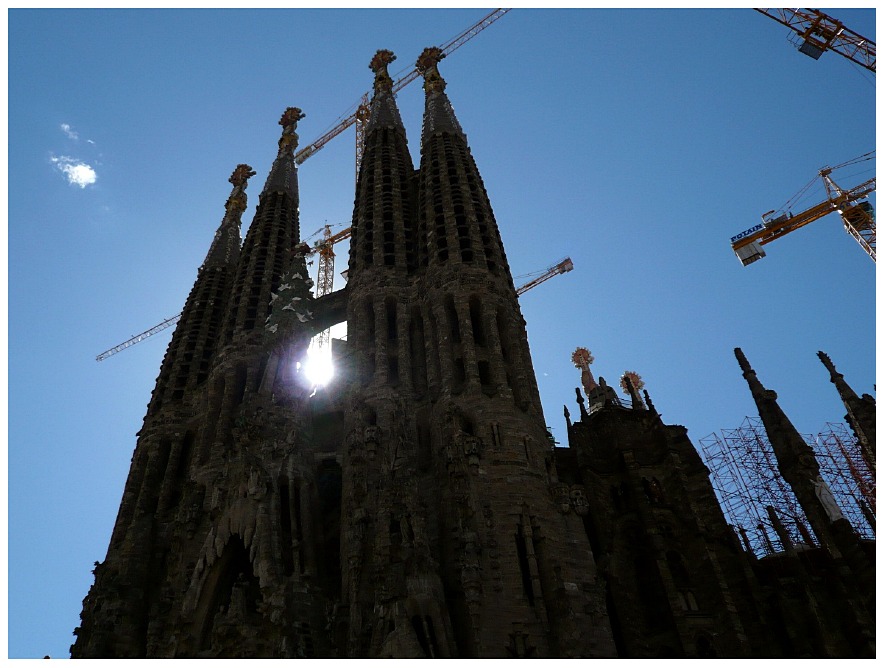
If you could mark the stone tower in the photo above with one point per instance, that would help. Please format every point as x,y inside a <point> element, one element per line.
<point>448,540</point>
<point>218,545</point>
<point>408,511</point>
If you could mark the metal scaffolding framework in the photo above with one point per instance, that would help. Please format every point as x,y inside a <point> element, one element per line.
<point>848,476</point>
<point>745,477</point>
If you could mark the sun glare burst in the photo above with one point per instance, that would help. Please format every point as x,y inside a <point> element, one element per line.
<point>318,367</point>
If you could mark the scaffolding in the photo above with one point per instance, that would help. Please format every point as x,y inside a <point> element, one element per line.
<point>746,480</point>
<point>848,476</point>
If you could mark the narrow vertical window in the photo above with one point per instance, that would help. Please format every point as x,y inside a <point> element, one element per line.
<point>522,556</point>
<point>479,337</point>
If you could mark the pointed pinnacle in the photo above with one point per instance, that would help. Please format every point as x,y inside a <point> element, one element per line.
<point>378,64</point>
<point>827,362</point>
<point>742,360</point>
<point>236,203</point>
<point>427,66</point>
<point>241,175</point>
<point>289,119</point>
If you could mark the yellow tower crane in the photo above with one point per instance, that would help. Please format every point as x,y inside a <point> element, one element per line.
<point>858,216</point>
<point>819,32</point>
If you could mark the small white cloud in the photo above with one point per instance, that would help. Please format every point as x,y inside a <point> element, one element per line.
<point>90,141</point>
<point>77,172</point>
<point>69,132</point>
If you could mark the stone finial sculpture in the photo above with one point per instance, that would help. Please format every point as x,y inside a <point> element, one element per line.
<point>427,65</point>
<point>582,359</point>
<point>378,65</point>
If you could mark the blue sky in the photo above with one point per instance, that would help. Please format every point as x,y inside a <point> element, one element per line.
<point>637,142</point>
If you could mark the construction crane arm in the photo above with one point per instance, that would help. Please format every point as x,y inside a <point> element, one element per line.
<point>399,84</point>
<point>139,337</point>
<point>821,32</point>
<point>326,244</point>
<point>776,224</point>
<point>561,267</point>
<point>317,144</point>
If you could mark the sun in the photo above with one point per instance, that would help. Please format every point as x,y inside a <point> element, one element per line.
<point>318,367</point>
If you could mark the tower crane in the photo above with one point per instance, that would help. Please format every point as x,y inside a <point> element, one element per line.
<point>360,117</point>
<point>326,271</point>
<point>820,32</point>
<point>858,216</point>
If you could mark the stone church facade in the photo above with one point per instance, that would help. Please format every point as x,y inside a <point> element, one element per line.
<point>419,507</point>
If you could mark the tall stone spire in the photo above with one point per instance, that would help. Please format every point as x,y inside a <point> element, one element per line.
<point>383,227</point>
<point>225,248</point>
<point>383,111</point>
<point>194,341</point>
<point>283,173</point>
<point>272,236</point>
<point>861,413</point>
<point>796,462</point>
<point>439,115</point>
<point>456,225</point>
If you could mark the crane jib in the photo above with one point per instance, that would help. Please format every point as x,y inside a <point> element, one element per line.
<point>746,233</point>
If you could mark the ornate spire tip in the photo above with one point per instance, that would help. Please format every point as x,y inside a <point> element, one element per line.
<point>378,64</point>
<point>241,174</point>
<point>291,117</point>
<point>427,66</point>
<point>381,59</point>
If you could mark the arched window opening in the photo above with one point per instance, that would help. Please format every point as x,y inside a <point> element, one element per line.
<point>231,590</point>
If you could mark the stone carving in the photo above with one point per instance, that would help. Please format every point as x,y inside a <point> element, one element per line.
<point>471,570</point>
<point>378,65</point>
<point>471,446</point>
<point>562,496</point>
<point>579,500</point>
<point>828,501</point>
<point>427,65</point>
<point>371,439</point>
<point>256,486</point>
<point>248,426</point>
<point>653,491</point>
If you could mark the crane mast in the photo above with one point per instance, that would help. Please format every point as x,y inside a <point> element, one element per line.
<point>820,32</point>
<point>326,271</point>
